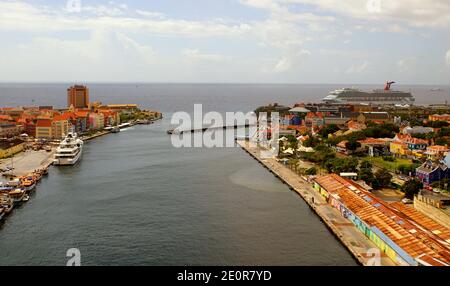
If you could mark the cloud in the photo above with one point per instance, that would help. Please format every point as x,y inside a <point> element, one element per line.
<point>447,57</point>
<point>415,13</point>
<point>195,54</point>
<point>150,14</point>
<point>407,64</point>
<point>358,68</point>
<point>105,10</point>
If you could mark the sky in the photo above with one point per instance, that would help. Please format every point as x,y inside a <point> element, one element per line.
<point>226,41</point>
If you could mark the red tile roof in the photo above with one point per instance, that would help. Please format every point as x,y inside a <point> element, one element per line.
<point>44,123</point>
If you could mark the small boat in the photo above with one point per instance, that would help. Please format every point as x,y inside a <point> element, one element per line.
<point>6,203</point>
<point>17,195</point>
<point>124,125</point>
<point>170,132</point>
<point>8,208</point>
<point>28,183</point>
<point>5,188</point>
<point>143,122</point>
<point>115,129</point>
<point>26,198</point>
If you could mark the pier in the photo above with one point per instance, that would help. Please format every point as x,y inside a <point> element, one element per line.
<point>193,130</point>
<point>355,241</point>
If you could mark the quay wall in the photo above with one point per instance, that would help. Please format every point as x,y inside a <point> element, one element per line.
<point>312,205</point>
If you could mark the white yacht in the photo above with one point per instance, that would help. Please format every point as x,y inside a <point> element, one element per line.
<point>69,150</point>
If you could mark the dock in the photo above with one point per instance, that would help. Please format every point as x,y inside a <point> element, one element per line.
<point>204,129</point>
<point>354,240</point>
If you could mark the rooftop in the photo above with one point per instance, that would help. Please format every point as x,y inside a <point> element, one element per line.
<point>6,144</point>
<point>376,213</point>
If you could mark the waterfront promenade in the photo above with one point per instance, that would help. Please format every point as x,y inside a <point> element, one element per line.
<point>355,241</point>
<point>27,162</point>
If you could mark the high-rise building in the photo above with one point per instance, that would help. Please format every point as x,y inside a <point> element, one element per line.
<point>78,96</point>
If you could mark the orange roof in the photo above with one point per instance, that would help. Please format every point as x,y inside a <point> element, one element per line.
<point>438,148</point>
<point>342,144</point>
<point>375,212</point>
<point>373,141</point>
<point>425,221</point>
<point>81,113</point>
<point>64,116</point>
<point>417,141</point>
<point>354,125</point>
<point>314,115</point>
<point>44,123</point>
<point>6,118</point>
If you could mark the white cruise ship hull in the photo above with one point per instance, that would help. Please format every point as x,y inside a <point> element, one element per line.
<point>68,161</point>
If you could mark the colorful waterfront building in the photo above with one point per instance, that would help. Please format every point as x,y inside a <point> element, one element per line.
<point>61,126</point>
<point>96,121</point>
<point>402,241</point>
<point>81,123</point>
<point>44,128</point>
<point>111,118</point>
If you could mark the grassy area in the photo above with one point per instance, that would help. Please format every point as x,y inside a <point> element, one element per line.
<point>391,166</point>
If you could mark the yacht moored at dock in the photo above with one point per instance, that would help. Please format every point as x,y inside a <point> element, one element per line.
<point>378,96</point>
<point>69,151</point>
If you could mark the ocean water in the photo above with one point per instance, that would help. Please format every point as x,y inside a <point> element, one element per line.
<point>135,200</point>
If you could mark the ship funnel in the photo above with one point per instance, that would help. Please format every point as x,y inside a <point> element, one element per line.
<point>387,87</point>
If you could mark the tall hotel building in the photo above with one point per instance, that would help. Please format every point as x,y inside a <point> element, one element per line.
<point>78,96</point>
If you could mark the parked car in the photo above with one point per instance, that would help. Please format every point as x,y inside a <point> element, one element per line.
<point>407,201</point>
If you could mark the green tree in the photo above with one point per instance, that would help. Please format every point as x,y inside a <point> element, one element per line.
<point>412,188</point>
<point>352,145</point>
<point>328,129</point>
<point>382,179</point>
<point>367,176</point>
<point>311,171</point>
<point>366,165</point>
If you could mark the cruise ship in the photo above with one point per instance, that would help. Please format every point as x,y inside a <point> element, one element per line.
<point>378,96</point>
<point>69,151</point>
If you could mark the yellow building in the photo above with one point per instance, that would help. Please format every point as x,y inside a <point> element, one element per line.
<point>399,148</point>
<point>44,129</point>
<point>60,126</point>
<point>9,148</point>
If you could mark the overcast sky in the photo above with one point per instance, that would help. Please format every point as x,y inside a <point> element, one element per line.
<point>257,41</point>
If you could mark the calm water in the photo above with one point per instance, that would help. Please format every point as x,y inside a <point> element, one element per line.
<point>135,200</point>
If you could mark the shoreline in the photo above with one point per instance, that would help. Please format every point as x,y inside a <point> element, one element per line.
<point>351,238</point>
